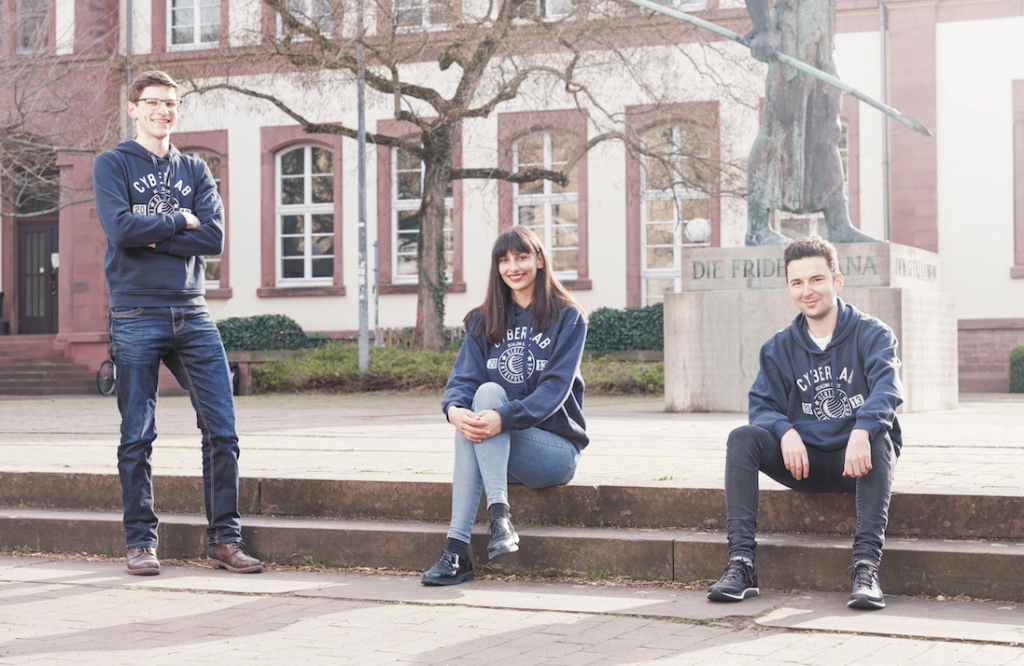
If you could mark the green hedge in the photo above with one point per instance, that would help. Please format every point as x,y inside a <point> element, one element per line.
<point>1017,370</point>
<point>629,329</point>
<point>334,368</point>
<point>262,332</point>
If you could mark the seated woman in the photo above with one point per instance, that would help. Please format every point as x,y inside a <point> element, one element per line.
<point>515,397</point>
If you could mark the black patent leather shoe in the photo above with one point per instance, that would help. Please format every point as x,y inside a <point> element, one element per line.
<point>504,539</point>
<point>451,569</point>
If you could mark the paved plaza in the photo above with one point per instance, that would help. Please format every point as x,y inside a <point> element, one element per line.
<point>60,611</point>
<point>69,612</point>
<point>977,448</point>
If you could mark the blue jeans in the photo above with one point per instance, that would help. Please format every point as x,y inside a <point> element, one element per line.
<point>188,343</point>
<point>533,457</point>
<point>751,448</point>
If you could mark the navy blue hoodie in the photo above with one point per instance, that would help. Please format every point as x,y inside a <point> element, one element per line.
<point>540,372</point>
<point>825,395</point>
<point>139,199</point>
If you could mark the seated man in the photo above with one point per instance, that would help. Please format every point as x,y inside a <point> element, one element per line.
<point>822,419</point>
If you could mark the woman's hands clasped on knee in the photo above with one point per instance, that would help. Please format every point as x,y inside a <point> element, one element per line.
<point>475,427</point>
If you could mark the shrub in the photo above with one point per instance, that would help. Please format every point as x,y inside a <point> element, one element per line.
<point>262,332</point>
<point>629,329</point>
<point>603,376</point>
<point>1017,369</point>
<point>334,368</point>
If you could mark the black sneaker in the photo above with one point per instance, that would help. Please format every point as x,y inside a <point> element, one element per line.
<point>451,569</point>
<point>504,539</point>
<point>866,592</point>
<point>737,583</point>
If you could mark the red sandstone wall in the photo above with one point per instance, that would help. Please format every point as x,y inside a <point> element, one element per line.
<point>984,348</point>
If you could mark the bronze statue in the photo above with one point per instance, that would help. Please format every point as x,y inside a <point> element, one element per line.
<point>794,163</point>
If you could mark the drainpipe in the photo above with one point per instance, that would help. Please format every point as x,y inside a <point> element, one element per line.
<point>128,60</point>
<point>883,31</point>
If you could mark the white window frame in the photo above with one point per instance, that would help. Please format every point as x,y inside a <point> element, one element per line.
<point>40,16</point>
<point>306,5</point>
<point>543,13</point>
<point>211,259</point>
<point>676,194</point>
<point>307,210</point>
<point>197,26</point>
<point>547,200</point>
<point>684,5</point>
<point>403,205</point>
<point>425,24</point>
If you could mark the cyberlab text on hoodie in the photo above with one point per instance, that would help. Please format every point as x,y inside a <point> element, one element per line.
<point>540,372</point>
<point>140,199</point>
<point>825,394</point>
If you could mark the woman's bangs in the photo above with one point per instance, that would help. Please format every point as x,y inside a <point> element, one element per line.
<point>510,241</point>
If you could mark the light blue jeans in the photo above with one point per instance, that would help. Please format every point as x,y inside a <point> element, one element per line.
<point>534,457</point>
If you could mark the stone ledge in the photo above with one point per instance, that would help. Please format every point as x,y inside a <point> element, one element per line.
<point>917,515</point>
<point>804,562</point>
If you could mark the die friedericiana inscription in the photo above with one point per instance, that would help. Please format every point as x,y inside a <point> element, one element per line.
<point>862,265</point>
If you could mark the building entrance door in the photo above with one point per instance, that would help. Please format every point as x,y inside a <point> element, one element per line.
<point>37,277</point>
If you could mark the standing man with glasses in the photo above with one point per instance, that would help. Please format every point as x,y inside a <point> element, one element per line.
<point>161,214</point>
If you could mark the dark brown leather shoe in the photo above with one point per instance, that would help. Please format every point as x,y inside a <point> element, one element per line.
<point>143,562</point>
<point>232,556</point>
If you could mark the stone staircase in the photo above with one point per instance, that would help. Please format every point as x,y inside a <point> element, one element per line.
<point>29,365</point>
<point>937,544</point>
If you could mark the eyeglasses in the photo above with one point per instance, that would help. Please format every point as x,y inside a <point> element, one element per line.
<point>153,103</point>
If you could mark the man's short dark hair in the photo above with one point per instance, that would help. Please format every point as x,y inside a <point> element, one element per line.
<point>812,246</point>
<point>146,79</point>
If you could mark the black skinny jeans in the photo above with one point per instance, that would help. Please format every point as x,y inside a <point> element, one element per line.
<point>751,449</point>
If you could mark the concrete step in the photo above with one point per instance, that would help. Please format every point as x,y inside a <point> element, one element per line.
<point>48,385</point>
<point>913,515</point>
<point>26,342</point>
<point>55,389</point>
<point>45,372</point>
<point>56,362</point>
<point>979,569</point>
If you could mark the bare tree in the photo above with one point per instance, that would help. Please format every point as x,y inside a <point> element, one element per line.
<point>50,104</point>
<point>438,65</point>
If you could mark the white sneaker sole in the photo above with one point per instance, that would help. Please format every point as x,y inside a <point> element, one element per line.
<point>719,595</point>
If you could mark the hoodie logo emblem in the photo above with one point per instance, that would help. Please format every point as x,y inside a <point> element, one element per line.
<point>159,206</point>
<point>514,362</point>
<point>831,403</point>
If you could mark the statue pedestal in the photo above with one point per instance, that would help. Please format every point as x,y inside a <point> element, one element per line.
<point>735,299</point>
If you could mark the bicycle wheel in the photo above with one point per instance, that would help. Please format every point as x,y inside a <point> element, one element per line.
<point>106,380</point>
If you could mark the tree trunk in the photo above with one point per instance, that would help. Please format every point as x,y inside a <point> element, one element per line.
<point>430,299</point>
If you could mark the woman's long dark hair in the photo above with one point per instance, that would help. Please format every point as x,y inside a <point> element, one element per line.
<point>549,295</point>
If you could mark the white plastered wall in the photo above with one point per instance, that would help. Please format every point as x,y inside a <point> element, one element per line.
<point>679,81</point>
<point>142,24</point>
<point>858,56</point>
<point>64,16</point>
<point>975,164</point>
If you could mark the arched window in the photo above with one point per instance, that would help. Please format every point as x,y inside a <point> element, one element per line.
<point>406,197</point>
<point>213,263</point>
<point>305,215</point>
<point>551,210</point>
<point>675,209</point>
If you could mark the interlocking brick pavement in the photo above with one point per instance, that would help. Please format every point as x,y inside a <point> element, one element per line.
<point>92,613</point>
